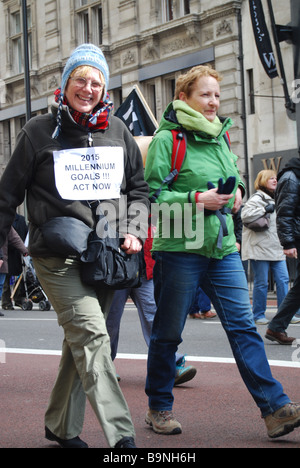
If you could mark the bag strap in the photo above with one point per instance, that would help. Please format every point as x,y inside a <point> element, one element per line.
<point>223,231</point>
<point>227,139</point>
<point>177,158</point>
<point>260,194</point>
<point>179,150</point>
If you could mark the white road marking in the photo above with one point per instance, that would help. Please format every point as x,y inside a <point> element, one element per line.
<point>143,357</point>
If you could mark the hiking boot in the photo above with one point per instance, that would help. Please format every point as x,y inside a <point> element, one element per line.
<point>163,422</point>
<point>184,374</point>
<point>283,421</point>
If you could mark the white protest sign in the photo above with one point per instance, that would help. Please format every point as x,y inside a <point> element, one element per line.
<point>94,173</point>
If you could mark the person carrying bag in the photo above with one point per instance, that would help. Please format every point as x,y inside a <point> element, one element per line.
<point>64,161</point>
<point>261,245</point>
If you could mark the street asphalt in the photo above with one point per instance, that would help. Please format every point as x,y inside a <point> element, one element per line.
<point>215,409</point>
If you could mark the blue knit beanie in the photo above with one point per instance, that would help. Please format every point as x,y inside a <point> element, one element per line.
<point>85,54</point>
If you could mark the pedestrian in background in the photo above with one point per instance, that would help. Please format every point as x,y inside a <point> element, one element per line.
<point>15,268</point>
<point>238,230</point>
<point>263,249</point>
<point>288,228</point>
<point>143,298</point>
<point>214,263</point>
<point>201,309</point>
<point>13,240</point>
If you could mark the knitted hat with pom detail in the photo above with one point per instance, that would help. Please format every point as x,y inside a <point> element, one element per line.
<point>85,54</point>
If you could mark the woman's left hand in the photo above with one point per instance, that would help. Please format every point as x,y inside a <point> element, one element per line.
<point>238,201</point>
<point>131,244</point>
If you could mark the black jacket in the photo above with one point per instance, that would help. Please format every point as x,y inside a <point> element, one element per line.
<point>31,170</point>
<point>288,205</point>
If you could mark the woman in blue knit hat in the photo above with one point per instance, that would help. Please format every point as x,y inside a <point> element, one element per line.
<point>63,161</point>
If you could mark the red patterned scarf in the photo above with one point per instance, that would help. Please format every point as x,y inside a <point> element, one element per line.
<point>97,120</point>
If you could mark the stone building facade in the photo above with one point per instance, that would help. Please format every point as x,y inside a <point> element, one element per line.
<point>150,44</point>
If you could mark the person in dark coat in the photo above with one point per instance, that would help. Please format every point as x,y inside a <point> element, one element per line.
<point>288,228</point>
<point>14,268</point>
<point>12,239</point>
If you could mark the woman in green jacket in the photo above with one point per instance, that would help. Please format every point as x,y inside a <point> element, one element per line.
<point>207,190</point>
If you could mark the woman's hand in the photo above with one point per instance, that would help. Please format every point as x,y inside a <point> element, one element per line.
<point>291,253</point>
<point>212,200</point>
<point>131,244</point>
<point>238,200</point>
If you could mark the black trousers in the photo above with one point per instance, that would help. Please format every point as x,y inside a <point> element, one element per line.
<point>6,293</point>
<point>290,306</point>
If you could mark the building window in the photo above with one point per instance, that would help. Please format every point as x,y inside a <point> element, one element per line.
<point>172,9</point>
<point>7,149</point>
<point>186,7</point>
<point>149,90</point>
<point>117,97</point>
<point>98,22</point>
<point>169,82</point>
<point>16,38</point>
<point>168,10</point>
<point>89,21</point>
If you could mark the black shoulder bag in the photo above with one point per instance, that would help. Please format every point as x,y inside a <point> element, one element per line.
<point>105,263</point>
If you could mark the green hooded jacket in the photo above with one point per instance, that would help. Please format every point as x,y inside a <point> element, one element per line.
<point>181,226</point>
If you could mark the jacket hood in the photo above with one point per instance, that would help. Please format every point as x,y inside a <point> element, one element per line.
<point>169,122</point>
<point>293,165</point>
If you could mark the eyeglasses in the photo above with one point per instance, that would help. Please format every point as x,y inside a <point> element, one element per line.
<point>82,82</point>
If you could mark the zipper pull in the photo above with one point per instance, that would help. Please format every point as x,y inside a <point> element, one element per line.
<point>90,139</point>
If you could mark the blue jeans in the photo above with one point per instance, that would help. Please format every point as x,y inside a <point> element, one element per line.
<point>260,285</point>
<point>143,298</point>
<point>176,278</point>
<point>202,303</point>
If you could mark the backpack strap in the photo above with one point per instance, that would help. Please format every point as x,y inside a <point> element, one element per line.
<point>179,150</point>
<point>177,158</point>
<point>227,139</point>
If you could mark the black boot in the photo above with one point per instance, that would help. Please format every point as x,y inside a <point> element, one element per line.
<point>76,442</point>
<point>126,442</point>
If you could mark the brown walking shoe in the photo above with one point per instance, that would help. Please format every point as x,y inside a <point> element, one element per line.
<point>283,421</point>
<point>280,337</point>
<point>163,422</point>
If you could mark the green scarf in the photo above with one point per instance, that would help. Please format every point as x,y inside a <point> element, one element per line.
<point>195,121</point>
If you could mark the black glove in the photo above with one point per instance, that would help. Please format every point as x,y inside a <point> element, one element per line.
<point>226,188</point>
<point>270,208</point>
